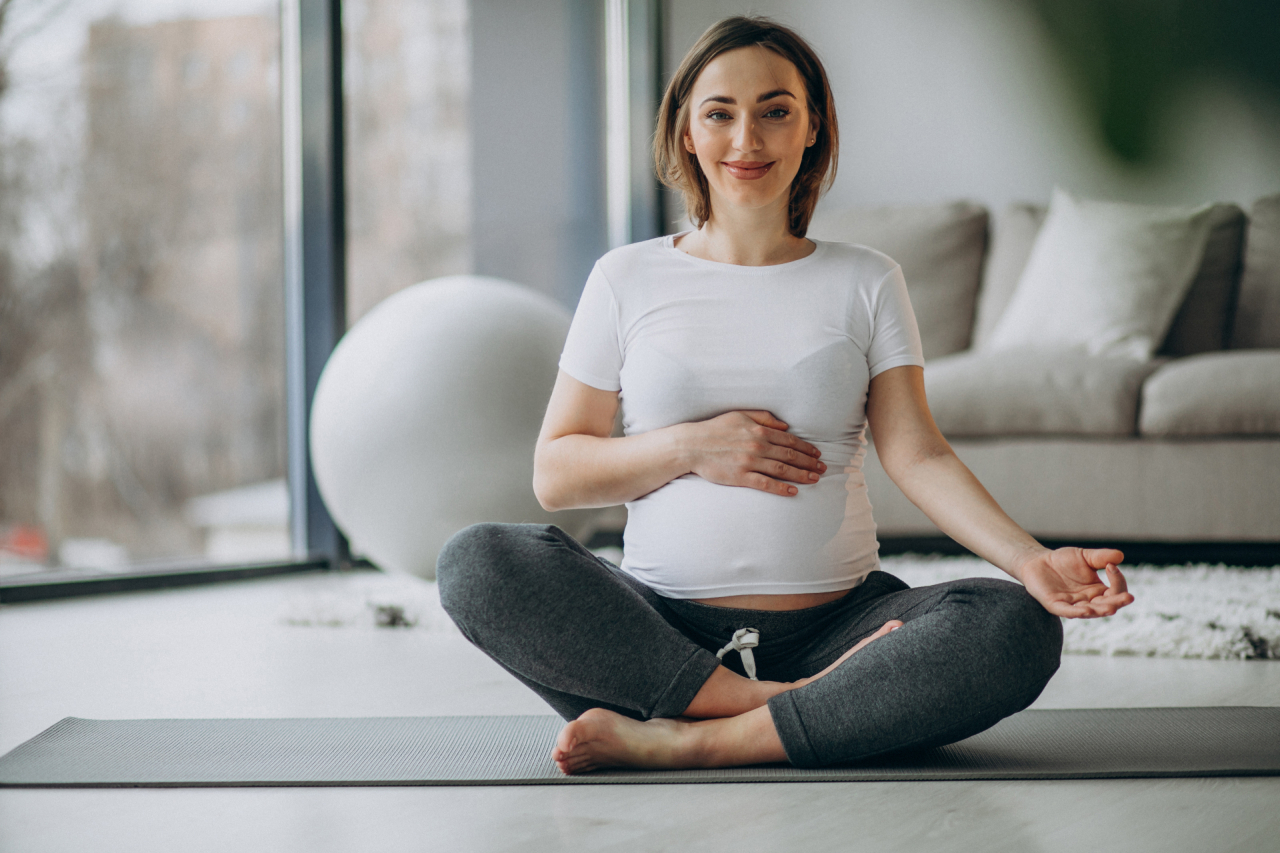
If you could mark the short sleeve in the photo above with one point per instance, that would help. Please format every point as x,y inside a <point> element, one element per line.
<point>895,338</point>
<point>593,351</point>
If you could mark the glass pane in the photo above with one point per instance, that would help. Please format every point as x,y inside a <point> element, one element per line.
<point>407,89</point>
<point>141,297</point>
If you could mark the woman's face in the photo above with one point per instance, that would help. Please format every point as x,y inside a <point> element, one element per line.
<point>749,125</point>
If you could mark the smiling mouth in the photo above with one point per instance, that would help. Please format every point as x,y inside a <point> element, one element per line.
<point>747,170</point>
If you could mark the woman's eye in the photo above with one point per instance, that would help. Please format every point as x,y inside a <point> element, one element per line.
<point>778,112</point>
<point>717,115</point>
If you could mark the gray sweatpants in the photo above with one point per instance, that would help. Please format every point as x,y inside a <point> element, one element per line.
<point>584,634</point>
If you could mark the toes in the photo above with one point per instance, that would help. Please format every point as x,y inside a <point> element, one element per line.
<point>567,740</point>
<point>576,764</point>
<point>564,753</point>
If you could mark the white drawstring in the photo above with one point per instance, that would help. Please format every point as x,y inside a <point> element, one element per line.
<point>744,640</point>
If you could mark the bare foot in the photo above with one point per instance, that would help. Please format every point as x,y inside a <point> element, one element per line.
<point>891,625</point>
<point>601,738</point>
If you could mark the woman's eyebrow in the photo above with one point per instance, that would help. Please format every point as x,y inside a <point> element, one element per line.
<point>773,94</point>
<point>725,99</point>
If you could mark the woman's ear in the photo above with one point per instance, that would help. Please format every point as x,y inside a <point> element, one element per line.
<point>688,143</point>
<point>813,130</point>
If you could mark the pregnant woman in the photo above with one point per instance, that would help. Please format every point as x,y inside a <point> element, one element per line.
<point>749,621</point>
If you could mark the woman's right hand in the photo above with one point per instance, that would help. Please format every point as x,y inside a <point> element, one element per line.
<point>752,449</point>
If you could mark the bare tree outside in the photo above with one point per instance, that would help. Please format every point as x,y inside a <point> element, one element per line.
<point>143,364</point>
<point>142,413</point>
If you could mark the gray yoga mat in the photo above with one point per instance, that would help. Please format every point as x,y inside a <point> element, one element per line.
<point>1066,744</point>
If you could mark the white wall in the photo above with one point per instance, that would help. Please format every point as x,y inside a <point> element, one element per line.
<point>942,99</point>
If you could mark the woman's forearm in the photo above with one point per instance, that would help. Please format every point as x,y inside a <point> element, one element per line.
<point>579,471</point>
<point>945,489</point>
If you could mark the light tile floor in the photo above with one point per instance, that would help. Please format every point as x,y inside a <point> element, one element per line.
<point>222,651</point>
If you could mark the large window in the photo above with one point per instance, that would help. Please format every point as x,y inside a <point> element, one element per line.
<point>407,86</point>
<point>196,200</point>
<point>142,400</point>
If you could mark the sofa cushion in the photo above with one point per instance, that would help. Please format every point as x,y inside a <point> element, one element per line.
<point>1257,320</point>
<point>1013,233</point>
<point>1104,277</point>
<point>1034,392</point>
<point>1222,393</point>
<point>1202,321</point>
<point>940,248</point>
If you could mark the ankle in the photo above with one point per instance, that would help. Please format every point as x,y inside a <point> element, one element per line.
<point>697,741</point>
<point>769,689</point>
<point>727,694</point>
<point>749,738</point>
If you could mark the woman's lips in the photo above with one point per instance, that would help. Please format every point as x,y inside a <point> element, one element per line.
<point>747,170</point>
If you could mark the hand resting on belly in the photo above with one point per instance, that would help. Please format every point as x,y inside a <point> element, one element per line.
<point>579,464</point>
<point>753,449</point>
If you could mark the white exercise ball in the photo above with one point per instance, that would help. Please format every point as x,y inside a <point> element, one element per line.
<point>426,416</point>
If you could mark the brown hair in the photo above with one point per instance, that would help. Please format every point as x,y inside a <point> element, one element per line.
<point>679,169</point>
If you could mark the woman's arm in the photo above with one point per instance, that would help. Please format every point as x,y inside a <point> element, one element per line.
<point>922,464</point>
<point>578,464</point>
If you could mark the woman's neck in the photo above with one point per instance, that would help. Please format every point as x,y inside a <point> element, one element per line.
<point>746,238</point>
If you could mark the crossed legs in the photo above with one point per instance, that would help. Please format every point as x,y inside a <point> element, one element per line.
<point>607,654</point>
<point>736,727</point>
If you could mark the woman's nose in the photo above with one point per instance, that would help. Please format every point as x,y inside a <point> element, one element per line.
<point>747,138</point>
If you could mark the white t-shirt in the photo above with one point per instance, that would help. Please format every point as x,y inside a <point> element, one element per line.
<point>685,339</point>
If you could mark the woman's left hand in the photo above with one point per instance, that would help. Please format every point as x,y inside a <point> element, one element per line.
<point>1066,582</point>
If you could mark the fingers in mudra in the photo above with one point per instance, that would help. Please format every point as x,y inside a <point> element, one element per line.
<point>1115,596</point>
<point>1083,591</point>
<point>753,449</point>
<point>1105,600</point>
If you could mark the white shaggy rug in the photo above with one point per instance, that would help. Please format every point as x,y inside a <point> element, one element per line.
<point>1197,611</point>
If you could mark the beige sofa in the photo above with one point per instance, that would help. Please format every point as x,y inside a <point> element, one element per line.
<point>1184,448</point>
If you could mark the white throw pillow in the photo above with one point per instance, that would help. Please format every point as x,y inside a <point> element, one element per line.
<point>1104,277</point>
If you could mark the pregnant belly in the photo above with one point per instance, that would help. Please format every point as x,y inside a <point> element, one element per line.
<point>697,539</point>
